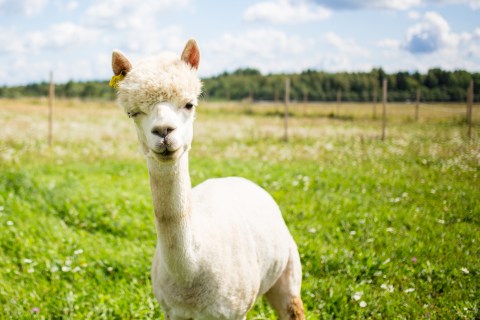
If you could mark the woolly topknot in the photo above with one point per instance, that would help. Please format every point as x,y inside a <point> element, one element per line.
<point>159,79</point>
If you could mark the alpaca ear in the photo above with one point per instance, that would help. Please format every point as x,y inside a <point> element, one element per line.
<point>191,53</point>
<point>120,63</point>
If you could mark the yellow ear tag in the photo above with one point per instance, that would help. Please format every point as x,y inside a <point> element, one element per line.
<point>115,80</point>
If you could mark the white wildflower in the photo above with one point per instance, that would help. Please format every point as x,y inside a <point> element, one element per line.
<point>77,252</point>
<point>27,260</point>
<point>465,270</point>
<point>9,223</point>
<point>387,287</point>
<point>362,304</point>
<point>328,146</point>
<point>357,295</point>
<point>409,290</point>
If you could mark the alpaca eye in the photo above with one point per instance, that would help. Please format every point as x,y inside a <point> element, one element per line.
<point>189,106</point>
<point>133,114</point>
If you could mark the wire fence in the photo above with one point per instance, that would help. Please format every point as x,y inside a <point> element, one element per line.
<point>436,108</point>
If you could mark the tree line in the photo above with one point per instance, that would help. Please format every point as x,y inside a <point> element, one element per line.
<point>436,85</point>
<point>71,89</point>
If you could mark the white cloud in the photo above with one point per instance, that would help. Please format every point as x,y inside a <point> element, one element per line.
<point>371,4</point>
<point>392,4</point>
<point>266,49</point>
<point>127,14</point>
<point>272,50</point>
<point>71,5</point>
<point>60,36</point>
<point>397,4</point>
<point>170,38</point>
<point>22,7</point>
<point>390,49</point>
<point>67,34</point>
<point>473,4</point>
<point>389,44</point>
<point>345,46</point>
<point>471,43</point>
<point>431,43</point>
<point>286,11</point>
<point>263,42</point>
<point>82,50</point>
<point>431,34</point>
<point>30,56</point>
<point>346,55</point>
<point>137,28</point>
<point>414,15</point>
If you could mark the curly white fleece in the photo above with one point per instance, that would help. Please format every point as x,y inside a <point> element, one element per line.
<point>159,79</point>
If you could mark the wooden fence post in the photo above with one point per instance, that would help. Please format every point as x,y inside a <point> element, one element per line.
<point>469,109</point>
<point>51,98</point>
<point>339,100</point>
<point>375,102</point>
<point>287,101</point>
<point>417,104</point>
<point>384,113</point>
<point>305,101</point>
<point>276,99</point>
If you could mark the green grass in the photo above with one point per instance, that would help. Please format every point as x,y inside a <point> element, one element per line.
<point>386,230</point>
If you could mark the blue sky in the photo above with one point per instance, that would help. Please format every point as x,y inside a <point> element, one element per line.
<point>75,38</point>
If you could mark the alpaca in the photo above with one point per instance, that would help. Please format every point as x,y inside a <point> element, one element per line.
<point>222,244</point>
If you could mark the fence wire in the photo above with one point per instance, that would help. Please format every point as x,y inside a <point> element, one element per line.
<point>442,109</point>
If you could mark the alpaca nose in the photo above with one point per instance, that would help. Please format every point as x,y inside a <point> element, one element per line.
<point>162,131</point>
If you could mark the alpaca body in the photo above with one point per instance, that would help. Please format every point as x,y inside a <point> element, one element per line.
<point>235,253</point>
<point>222,244</point>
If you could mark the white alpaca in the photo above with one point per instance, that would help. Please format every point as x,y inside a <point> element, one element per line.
<point>221,244</point>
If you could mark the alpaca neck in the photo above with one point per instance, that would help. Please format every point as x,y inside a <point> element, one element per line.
<point>171,189</point>
<point>171,194</point>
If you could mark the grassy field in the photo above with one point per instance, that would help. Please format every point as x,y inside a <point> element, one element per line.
<point>386,229</point>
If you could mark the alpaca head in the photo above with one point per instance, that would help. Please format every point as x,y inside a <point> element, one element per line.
<point>160,95</point>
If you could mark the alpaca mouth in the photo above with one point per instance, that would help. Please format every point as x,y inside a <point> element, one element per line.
<point>166,155</point>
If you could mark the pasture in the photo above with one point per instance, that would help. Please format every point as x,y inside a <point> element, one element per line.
<point>386,229</point>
